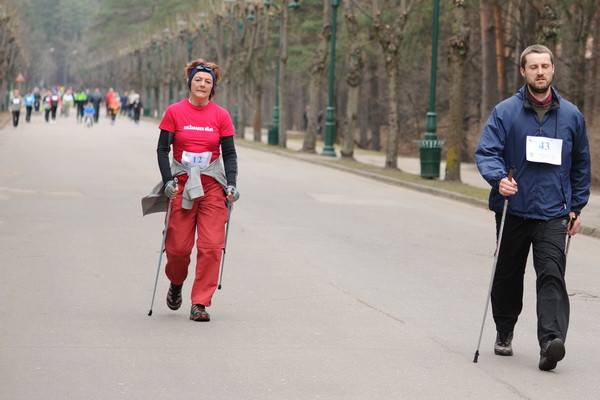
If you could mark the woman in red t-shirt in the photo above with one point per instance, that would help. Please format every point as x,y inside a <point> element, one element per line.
<point>198,185</point>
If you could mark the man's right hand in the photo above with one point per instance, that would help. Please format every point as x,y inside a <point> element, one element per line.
<point>508,187</point>
<point>171,189</point>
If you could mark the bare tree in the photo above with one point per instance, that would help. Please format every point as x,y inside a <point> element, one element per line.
<point>576,31</point>
<point>245,42</point>
<point>353,78</point>
<point>11,51</point>
<point>591,102</point>
<point>376,116</point>
<point>283,56</point>
<point>316,69</point>
<point>388,27</point>
<point>257,71</point>
<point>500,40</point>
<point>457,56</point>
<point>489,88</point>
<point>547,23</point>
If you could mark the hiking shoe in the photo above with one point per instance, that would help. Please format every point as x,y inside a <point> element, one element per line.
<point>551,353</point>
<point>198,313</point>
<point>174,297</point>
<point>503,346</point>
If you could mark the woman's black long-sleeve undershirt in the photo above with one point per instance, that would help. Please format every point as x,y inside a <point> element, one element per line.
<point>165,140</point>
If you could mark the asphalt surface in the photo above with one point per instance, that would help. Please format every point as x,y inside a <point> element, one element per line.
<point>335,286</point>
<point>590,216</point>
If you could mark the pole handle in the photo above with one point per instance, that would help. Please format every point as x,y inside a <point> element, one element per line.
<point>511,173</point>
<point>572,221</point>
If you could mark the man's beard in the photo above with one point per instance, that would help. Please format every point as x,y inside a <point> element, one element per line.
<point>541,89</point>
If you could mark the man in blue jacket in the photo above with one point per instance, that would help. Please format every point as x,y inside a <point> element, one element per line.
<point>543,137</point>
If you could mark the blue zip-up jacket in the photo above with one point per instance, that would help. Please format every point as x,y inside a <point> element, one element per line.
<point>29,100</point>
<point>546,191</point>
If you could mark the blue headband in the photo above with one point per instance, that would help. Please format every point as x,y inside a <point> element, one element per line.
<point>202,68</point>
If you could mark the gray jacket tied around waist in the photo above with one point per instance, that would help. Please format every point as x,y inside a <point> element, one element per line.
<point>156,200</point>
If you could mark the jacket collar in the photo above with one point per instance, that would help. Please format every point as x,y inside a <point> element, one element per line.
<point>522,93</point>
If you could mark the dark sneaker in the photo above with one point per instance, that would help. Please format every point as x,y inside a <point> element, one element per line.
<point>503,346</point>
<point>551,353</point>
<point>174,297</point>
<point>198,313</point>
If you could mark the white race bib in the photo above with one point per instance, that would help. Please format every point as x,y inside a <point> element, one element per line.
<point>201,160</point>
<point>16,100</point>
<point>542,149</point>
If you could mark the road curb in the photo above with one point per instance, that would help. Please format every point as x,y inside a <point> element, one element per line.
<point>315,158</point>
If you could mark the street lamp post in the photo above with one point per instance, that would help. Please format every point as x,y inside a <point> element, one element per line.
<point>431,127</point>
<point>430,149</point>
<point>273,136</point>
<point>328,149</point>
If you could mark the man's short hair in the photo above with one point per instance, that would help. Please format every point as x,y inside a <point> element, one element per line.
<point>536,48</point>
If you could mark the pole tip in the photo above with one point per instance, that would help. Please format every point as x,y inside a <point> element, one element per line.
<point>476,356</point>
<point>150,313</point>
<point>219,287</point>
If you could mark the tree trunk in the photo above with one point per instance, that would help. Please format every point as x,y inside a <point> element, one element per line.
<point>393,78</point>
<point>283,120</point>
<point>546,22</point>
<point>241,110</point>
<point>246,42</point>
<point>258,68</point>
<point>353,79</point>
<point>376,116</point>
<point>258,92</point>
<point>590,111</point>
<point>310,138</point>
<point>349,126</point>
<point>315,84</point>
<point>390,39</point>
<point>457,56</point>
<point>578,28</point>
<point>500,66</point>
<point>489,90</point>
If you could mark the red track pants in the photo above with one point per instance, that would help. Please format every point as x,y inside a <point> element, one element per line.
<point>207,217</point>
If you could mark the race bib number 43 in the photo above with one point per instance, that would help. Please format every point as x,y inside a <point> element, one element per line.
<point>544,150</point>
<point>201,160</point>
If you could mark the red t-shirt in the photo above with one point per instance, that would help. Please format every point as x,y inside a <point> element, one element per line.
<point>197,129</point>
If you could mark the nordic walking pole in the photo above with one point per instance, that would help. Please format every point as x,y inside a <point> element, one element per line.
<point>229,209</point>
<point>571,222</point>
<point>162,249</point>
<point>489,295</point>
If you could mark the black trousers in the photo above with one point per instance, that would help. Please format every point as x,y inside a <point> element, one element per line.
<point>15,115</point>
<point>547,239</point>
<point>80,110</point>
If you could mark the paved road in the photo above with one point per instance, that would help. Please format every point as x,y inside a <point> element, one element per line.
<point>590,217</point>
<point>335,286</point>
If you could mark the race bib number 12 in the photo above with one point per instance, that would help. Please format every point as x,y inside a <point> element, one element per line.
<point>201,160</point>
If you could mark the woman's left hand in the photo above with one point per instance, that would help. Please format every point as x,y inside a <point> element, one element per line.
<point>232,193</point>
